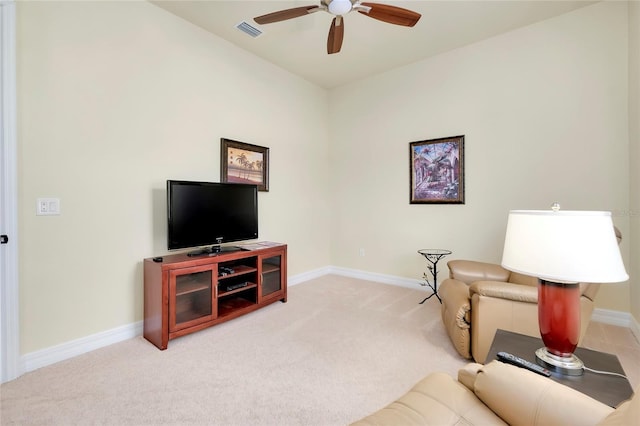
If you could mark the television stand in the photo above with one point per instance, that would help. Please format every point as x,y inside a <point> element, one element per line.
<point>186,293</point>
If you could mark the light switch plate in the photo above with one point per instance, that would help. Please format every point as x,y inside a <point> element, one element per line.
<point>48,206</point>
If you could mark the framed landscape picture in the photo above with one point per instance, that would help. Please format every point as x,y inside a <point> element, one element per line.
<point>437,171</point>
<point>244,163</point>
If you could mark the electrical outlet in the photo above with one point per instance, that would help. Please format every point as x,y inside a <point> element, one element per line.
<point>48,206</point>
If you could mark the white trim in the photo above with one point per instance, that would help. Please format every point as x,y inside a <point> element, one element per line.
<point>307,276</point>
<point>635,328</point>
<point>61,352</point>
<point>9,291</point>
<point>54,354</point>
<point>621,319</point>
<point>380,278</point>
<point>606,316</point>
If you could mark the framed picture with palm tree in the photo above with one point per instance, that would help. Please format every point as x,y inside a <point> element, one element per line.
<point>244,163</point>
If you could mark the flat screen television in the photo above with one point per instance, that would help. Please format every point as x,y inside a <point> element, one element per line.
<point>206,213</point>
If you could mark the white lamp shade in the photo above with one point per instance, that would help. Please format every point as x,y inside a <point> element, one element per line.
<point>567,246</point>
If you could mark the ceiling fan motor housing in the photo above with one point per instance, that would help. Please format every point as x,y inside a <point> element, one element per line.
<point>340,7</point>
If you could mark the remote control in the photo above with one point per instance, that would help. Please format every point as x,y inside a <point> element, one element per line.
<point>512,359</point>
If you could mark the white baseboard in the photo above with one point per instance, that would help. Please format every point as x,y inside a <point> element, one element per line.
<point>635,328</point>
<point>606,316</point>
<point>35,360</point>
<point>309,275</point>
<point>621,319</point>
<point>414,284</point>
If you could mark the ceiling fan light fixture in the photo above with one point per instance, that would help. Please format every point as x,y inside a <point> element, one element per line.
<point>340,7</point>
<point>382,12</point>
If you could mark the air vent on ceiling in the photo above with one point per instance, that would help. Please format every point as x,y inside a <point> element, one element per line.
<point>246,27</point>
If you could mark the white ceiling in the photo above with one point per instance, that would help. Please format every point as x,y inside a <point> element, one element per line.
<point>370,46</point>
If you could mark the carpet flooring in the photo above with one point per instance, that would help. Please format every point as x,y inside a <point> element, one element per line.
<point>336,351</point>
<point>339,349</point>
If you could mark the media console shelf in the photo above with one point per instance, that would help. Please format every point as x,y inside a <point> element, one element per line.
<point>184,294</point>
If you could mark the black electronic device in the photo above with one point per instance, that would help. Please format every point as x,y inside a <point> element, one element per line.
<point>231,287</point>
<point>157,259</point>
<point>210,214</point>
<point>519,362</point>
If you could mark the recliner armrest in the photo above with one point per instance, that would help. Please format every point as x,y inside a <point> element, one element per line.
<point>521,397</point>
<point>469,271</point>
<point>467,374</point>
<point>502,290</point>
<point>456,301</point>
<point>589,290</point>
<point>455,312</point>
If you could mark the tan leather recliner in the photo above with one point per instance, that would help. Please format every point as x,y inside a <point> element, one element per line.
<point>499,394</point>
<point>478,298</point>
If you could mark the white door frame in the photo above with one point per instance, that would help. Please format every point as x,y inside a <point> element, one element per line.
<point>10,367</point>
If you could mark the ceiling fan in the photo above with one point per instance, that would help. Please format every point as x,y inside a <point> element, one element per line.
<point>339,8</point>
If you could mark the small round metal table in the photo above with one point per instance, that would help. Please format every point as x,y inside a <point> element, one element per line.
<point>433,256</point>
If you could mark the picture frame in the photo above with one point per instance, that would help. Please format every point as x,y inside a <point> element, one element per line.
<point>242,162</point>
<point>437,171</point>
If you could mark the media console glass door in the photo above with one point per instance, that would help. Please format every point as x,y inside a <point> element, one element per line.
<point>191,293</point>
<point>271,276</point>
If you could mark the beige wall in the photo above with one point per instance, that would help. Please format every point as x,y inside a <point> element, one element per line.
<point>116,97</point>
<point>545,116</point>
<point>113,99</point>
<point>634,152</point>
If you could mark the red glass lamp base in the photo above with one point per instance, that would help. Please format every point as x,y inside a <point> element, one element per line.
<point>559,321</point>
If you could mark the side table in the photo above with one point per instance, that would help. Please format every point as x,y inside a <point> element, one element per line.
<point>433,256</point>
<point>606,388</point>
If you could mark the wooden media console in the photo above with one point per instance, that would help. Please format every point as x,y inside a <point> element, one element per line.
<point>184,294</point>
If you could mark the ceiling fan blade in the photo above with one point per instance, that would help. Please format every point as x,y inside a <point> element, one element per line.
<point>391,14</point>
<point>283,15</point>
<point>336,34</point>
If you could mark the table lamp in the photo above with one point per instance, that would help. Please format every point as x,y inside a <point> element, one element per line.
<point>562,249</point>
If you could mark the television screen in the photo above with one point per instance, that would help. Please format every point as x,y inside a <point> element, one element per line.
<point>207,213</point>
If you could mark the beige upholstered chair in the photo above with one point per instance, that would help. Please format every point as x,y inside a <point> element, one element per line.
<point>478,298</point>
<point>499,394</point>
